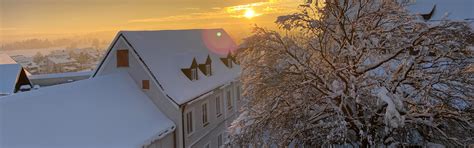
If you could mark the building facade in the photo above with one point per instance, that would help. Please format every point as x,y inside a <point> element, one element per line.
<point>190,75</point>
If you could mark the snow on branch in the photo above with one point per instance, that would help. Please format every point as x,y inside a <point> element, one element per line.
<point>357,73</point>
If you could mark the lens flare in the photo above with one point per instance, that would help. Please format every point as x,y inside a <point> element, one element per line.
<point>218,42</point>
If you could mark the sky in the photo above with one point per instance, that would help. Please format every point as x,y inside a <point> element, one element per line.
<point>22,19</point>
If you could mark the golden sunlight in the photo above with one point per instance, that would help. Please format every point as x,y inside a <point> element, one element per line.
<point>249,13</point>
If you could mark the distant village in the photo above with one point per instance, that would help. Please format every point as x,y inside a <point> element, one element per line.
<point>133,97</point>
<point>60,61</point>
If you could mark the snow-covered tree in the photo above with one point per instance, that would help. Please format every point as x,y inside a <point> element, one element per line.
<point>38,57</point>
<point>357,72</point>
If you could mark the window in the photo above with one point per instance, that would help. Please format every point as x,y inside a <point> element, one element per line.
<point>208,69</point>
<point>237,91</point>
<point>189,122</point>
<point>218,106</point>
<point>229,100</point>
<point>219,140</point>
<point>204,115</point>
<point>229,62</point>
<point>145,84</point>
<point>194,74</point>
<point>122,58</point>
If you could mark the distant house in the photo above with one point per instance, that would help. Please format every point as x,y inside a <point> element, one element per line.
<point>153,89</point>
<point>438,10</point>
<point>43,80</point>
<point>27,63</point>
<point>58,64</point>
<point>86,58</point>
<point>12,76</point>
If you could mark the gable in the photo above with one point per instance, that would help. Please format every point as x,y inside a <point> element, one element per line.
<point>9,74</point>
<point>22,80</point>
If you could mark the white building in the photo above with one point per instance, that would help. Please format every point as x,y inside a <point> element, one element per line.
<point>59,64</point>
<point>43,80</point>
<point>438,10</point>
<point>176,88</point>
<point>188,74</point>
<point>12,76</point>
<point>86,58</point>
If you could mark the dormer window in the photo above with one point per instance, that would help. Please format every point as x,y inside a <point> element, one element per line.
<point>228,61</point>
<point>191,72</point>
<point>194,74</point>
<point>122,58</point>
<point>428,16</point>
<point>206,68</point>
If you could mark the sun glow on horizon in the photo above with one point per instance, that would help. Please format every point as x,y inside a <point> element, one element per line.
<point>106,17</point>
<point>249,13</point>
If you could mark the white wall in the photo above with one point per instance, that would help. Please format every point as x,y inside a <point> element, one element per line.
<point>165,142</point>
<point>138,72</point>
<point>202,135</point>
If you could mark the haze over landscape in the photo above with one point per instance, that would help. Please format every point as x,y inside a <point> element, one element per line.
<point>100,19</point>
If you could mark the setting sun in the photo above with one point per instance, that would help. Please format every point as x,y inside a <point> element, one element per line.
<point>249,13</point>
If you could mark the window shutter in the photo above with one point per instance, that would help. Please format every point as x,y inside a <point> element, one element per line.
<point>146,84</point>
<point>229,100</point>
<point>122,58</point>
<point>189,122</point>
<point>219,140</point>
<point>204,115</point>
<point>218,106</point>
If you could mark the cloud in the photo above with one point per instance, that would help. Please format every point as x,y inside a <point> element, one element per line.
<point>192,8</point>
<point>237,11</point>
<point>12,29</point>
<point>188,17</point>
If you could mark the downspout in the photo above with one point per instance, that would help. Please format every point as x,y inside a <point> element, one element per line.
<point>183,107</point>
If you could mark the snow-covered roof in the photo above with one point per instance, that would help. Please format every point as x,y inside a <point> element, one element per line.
<point>22,59</point>
<point>9,74</point>
<point>451,9</point>
<point>62,75</point>
<point>58,78</point>
<point>166,52</point>
<point>105,111</point>
<point>5,59</point>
